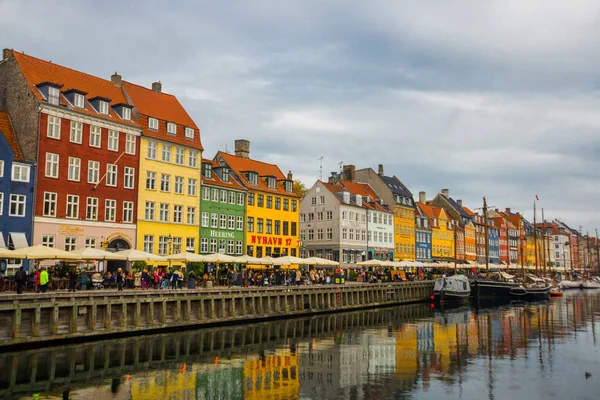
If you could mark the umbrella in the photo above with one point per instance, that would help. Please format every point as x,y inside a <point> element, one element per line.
<point>289,260</point>
<point>187,257</point>
<point>40,252</point>
<point>253,260</point>
<point>88,253</point>
<point>137,255</point>
<point>371,263</point>
<point>322,261</point>
<point>220,258</point>
<point>6,253</point>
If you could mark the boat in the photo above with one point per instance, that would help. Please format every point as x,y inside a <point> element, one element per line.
<point>532,289</point>
<point>451,289</point>
<point>499,284</point>
<point>591,284</point>
<point>555,292</point>
<point>579,284</point>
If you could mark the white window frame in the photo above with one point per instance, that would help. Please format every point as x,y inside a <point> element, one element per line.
<point>231,222</point>
<point>103,107</point>
<point>166,153</point>
<point>53,96</point>
<point>126,111</point>
<point>150,180</point>
<point>70,243</point>
<point>240,200</point>
<point>72,206</point>
<point>50,201</point>
<point>240,223</point>
<point>171,128</point>
<point>128,212</point>
<point>93,175</point>
<point>205,220</point>
<point>152,123</point>
<point>179,155</point>
<point>129,178</point>
<point>203,245</point>
<point>48,240</point>
<point>79,100</point>
<point>20,202</point>
<point>193,158</point>
<point>110,210</point>
<point>149,243</point>
<point>191,215</point>
<point>214,220</point>
<point>74,169</point>
<point>177,213</point>
<point>112,175</point>
<point>192,185</point>
<point>190,244</point>
<point>178,185</point>
<point>76,132</point>
<point>113,140</point>
<point>53,131</point>
<point>149,211</point>
<point>163,245</point>
<point>165,183</point>
<point>20,173</point>
<point>1,168</point>
<point>163,212</point>
<point>206,193</point>
<point>91,209</point>
<point>151,150</point>
<point>95,136</point>
<point>90,242</point>
<point>130,142</point>
<point>189,133</point>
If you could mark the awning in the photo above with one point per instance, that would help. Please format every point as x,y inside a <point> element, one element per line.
<point>19,240</point>
<point>2,244</point>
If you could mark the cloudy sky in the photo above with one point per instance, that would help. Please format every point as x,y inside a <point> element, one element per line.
<point>495,98</point>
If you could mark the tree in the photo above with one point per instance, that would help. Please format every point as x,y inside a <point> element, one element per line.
<point>300,188</point>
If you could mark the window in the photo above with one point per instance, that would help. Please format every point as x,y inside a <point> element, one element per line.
<point>130,144</point>
<point>238,247</point>
<point>93,172</point>
<point>48,240</point>
<point>20,173</point>
<point>286,204</point>
<point>113,140</point>
<point>129,178</point>
<point>110,210</point>
<point>163,245</point>
<point>17,205</point>
<point>128,211</point>
<point>191,187</point>
<point>261,200</point>
<point>214,220</point>
<point>223,221</point>
<point>311,235</point>
<point>190,244</point>
<point>177,241</point>
<point>151,180</point>
<point>223,196</point>
<point>149,243</point>
<point>166,153</point>
<point>76,128</point>
<point>111,175</point>
<point>240,223</point>
<point>278,227</point>
<point>289,187</point>
<point>126,113</point>
<point>151,152</point>
<point>53,127</point>
<point>205,193</point>
<point>259,225</point>
<point>207,170</point>
<point>95,136</point>
<point>179,155</point>
<point>178,187</point>
<point>72,206</point>
<point>1,168</point>
<point>171,128</point>
<point>250,224</point>
<point>164,212</point>
<point>153,123</point>
<point>204,221</point>
<point>91,209</point>
<point>320,216</point>
<point>240,199</point>
<point>330,234</point>
<point>103,107</point>
<point>204,245</point>
<point>149,211</point>
<point>165,183</point>
<point>294,204</point>
<point>74,169</point>
<point>250,199</point>
<point>231,197</point>
<point>286,225</point>
<point>49,204</point>
<point>277,203</point>
<point>269,201</point>
<point>70,243</point>
<point>230,248</point>
<point>293,229</point>
<point>189,133</point>
<point>177,213</point>
<point>253,178</point>
<point>193,158</point>
<point>53,96</point>
<point>213,245</point>
<point>271,182</point>
<point>320,234</point>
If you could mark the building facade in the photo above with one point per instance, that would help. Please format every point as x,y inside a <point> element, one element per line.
<point>493,243</point>
<point>223,211</point>
<point>16,196</point>
<point>442,233</point>
<point>422,236</point>
<point>272,211</point>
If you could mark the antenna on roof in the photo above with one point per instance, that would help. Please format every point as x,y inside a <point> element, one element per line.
<point>320,168</point>
<point>341,167</point>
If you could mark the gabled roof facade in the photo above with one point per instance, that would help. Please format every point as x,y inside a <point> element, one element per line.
<point>399,189</point>
<point>6,129</point>
<point>364,190</point>
<point>216,180</point>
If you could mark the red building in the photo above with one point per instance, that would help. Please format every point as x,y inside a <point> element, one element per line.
<point>86,144</point>
<point>500,223</point>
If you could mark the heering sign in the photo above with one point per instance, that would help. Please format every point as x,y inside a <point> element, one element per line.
<point>267,240</point>
<point>221,234</point>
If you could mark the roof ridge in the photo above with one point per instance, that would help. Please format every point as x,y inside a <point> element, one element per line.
<point>250,159</point>
<point>149,89</point>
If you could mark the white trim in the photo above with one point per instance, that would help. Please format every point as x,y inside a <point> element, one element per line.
<point>73,115</point>
<point>19,240</point>
<point>63,221</point>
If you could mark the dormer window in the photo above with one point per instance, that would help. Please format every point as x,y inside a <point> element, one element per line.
<point>289,187</point>
<point>53,96</point>
<point>189,133</point>
<point>253,178</point>
<point>225,174</point>
<point>79,100</point>
<point>103,107</point>
<point>207,171</point>
<point>271,182</point>
<point>126,114</point>
<point>153,123</point>
<point>171,128</point>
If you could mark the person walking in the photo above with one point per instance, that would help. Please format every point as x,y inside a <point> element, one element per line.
<point>120,279</point>
<point>20,279</point>
<point>72,279</point>
<point>37,280</point>
<point>44,280</point>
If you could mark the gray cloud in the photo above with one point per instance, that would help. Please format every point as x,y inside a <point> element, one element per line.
<point>485,98</point>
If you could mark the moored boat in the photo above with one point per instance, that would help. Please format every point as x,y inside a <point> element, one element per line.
<point>592,284</point>
<point>499,285</point>
<point>451,289</point>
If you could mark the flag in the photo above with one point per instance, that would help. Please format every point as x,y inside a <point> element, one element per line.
<point>537,198</point>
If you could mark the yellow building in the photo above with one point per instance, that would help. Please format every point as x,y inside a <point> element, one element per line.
<point>407,368</point>
<point>272,212</point>
<point>274,377</point>
<point>442,234</point>
<point>404,232</point>
<point>169,173</point>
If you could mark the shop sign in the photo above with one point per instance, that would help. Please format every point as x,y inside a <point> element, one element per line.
<point>222,234</point>
<point>118,235</point>
<point>268,240</point>
<point>69,230</point>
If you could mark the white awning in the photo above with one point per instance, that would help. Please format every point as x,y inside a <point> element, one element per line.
<point>19,240</point>
<point>2,244</point>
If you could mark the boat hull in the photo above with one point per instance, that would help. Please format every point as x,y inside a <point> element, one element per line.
<point>590,285</point>
<point>531,294</point>
<point>492,289</point>
<point>451,297</point>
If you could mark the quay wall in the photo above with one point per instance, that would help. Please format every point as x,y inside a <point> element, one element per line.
<point>31,318</point>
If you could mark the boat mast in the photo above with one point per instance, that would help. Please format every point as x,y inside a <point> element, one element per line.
<point>454,224</point>
<point>543,243</point>
<point>523,248</point>
<point>487,244</point>
<point>598,252</point>
<point>587,239</point>
<point>535,247</point>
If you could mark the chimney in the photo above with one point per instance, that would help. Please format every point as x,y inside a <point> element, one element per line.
<point>157,87</point>
<point>446,193</point>
<point>333,178</point>
<point>290,177</point>
<point>242,148</point>
<point>6,53</point>
<point>508,210</point>
<point>116,79</point>
<point>422,197</point>
<point>459,202</point>
<point>380,170</point>
<point>350,173</point>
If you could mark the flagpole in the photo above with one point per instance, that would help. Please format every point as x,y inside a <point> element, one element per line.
<point>543,243</point>
<point>535,238</point>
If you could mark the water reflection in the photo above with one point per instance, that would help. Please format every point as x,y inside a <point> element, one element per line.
<point>523,350</point>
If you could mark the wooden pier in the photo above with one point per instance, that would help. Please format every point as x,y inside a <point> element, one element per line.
<point>31,318</point>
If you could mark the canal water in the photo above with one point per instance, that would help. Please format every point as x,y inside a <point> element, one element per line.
<point>494,351</point>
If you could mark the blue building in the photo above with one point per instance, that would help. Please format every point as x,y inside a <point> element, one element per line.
<point>494,244</point>
<point>422,237</point>
<point>16,196</point>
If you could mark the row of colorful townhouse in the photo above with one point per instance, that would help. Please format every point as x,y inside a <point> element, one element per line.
<point>92,162</point>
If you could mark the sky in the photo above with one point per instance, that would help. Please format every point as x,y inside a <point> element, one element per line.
<point>493,98</point>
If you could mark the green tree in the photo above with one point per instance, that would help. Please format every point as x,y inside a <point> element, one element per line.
<point>300,188</point>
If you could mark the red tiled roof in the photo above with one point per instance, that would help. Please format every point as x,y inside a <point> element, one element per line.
<point>166,108</point>
<point>38,71</point>
<point>7,130</point>
<point>431,211</point>
<point>468,211</point>
<point>240,165</point>
<point>363,190</point>
<point>215,180</point>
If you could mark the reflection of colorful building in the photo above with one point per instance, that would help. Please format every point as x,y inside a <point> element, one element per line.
<point>221,381</point>
<point>406,354</point>
<point>271,377</point>
<point>179,383</point>
<point>445,341</point>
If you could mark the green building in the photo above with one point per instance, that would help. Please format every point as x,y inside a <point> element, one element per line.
<point>223,207</point>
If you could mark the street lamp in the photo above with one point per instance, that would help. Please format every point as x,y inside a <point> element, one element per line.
<point>170,243</point>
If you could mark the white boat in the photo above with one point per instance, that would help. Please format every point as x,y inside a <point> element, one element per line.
<point>451,289</point>
<point>590,285</point>
<point>593,284</point>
